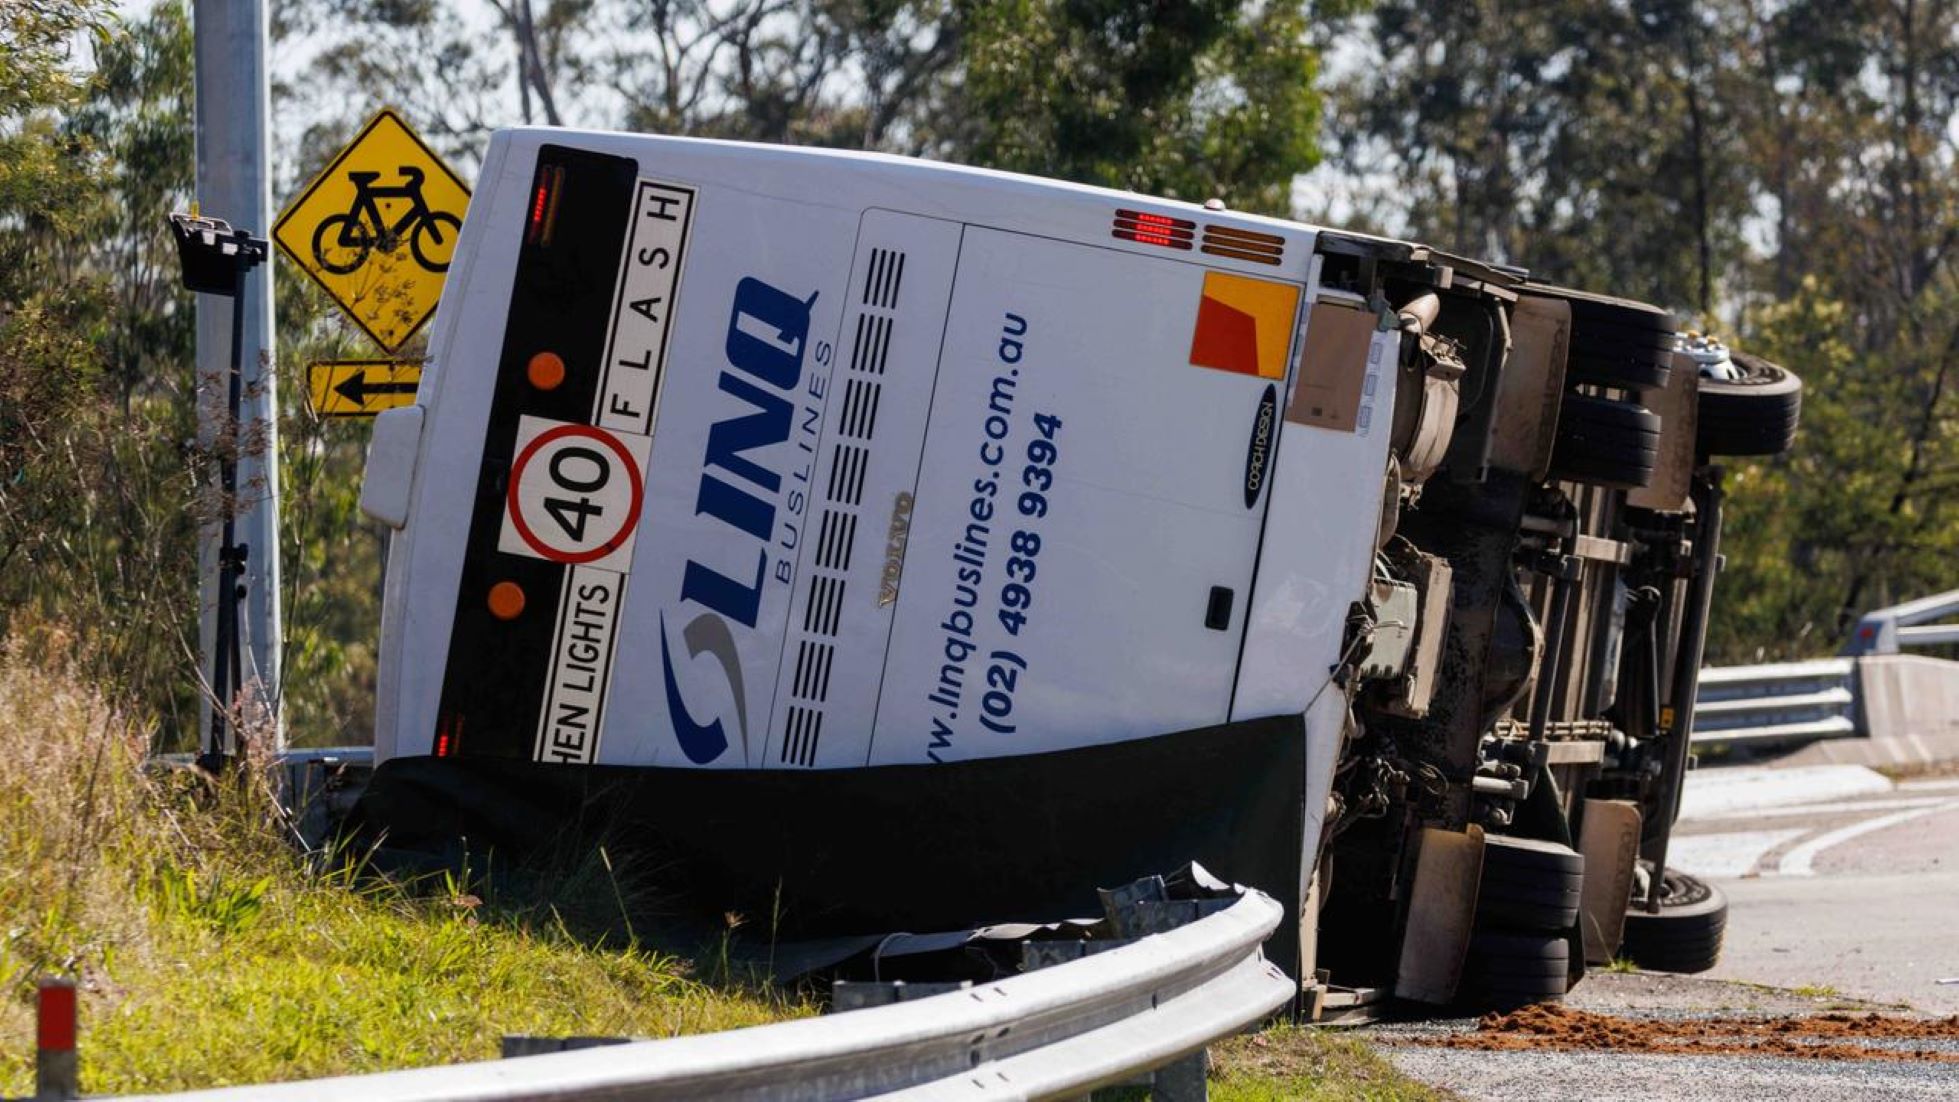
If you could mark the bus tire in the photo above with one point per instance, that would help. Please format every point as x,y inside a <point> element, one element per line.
<point>1756,414</point>
<point>1685,936</point>
<point>1605,442</point>
<point>1529,885</point>
<point>1504,971</point>
<point>1615,342</point>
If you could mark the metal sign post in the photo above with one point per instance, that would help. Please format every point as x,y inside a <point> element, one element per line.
<point>233,176</point>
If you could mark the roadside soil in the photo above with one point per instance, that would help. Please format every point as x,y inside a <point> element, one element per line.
<point>1653,1037</point>
<point>1827,1036</point>
<point>1921,772</point>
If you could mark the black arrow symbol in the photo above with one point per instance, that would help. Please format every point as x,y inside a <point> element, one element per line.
<point>355,388</point>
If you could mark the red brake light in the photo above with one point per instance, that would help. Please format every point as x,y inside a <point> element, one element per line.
<point>1160,230</point>
<point>544,205</point>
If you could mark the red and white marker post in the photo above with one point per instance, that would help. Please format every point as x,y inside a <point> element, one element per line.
<point>56,1071</point>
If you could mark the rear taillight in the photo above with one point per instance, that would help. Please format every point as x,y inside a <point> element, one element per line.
<point>546,194</point>
<point>1160,230</point>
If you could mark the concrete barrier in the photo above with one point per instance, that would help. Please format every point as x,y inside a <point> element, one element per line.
<point>1907,710</point>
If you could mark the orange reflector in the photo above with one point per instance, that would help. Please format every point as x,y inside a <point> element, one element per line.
<point>506,600</point>
<point>546,371</point>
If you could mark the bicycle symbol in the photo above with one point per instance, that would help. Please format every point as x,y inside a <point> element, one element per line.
<point>353,235</point>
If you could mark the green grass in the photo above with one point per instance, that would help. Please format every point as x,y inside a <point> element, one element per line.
<point>1304,1064</point>
<point>210,953</point>
<point>1622,966</point>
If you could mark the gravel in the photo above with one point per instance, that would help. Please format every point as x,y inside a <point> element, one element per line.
<point>1605,1076</point>
<point>1543,1073</point>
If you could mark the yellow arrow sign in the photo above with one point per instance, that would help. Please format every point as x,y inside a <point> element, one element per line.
<point>376,229</point>
<point>361,388</point>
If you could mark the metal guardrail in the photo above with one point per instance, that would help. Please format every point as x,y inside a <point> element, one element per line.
<point>1791,702</point>
<point>1902,627</point>
<point>1781,702</point>
<point>1058,1032</point>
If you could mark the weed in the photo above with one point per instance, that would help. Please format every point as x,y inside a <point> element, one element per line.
<point>612,881</point>
<point>1305,1064</point>
<point>224,905</point>
<point>1623,966</point>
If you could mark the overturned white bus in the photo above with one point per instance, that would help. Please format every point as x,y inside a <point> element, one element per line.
<point>853,502</point>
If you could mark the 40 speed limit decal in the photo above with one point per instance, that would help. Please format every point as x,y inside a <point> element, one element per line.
<point>576,492</point>
<point>575,495</point>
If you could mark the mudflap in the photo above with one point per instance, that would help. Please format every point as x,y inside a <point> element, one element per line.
<point>1441,914</point>
<point>1609,840</point>
<point>881,849</point>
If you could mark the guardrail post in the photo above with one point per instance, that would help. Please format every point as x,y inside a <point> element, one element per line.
<point>56,1070</point>
<point>1183,1081</point>
<point>1137,910</point>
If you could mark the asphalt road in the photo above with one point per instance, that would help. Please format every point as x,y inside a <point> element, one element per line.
<point>1844,895</point>
<point>1857,894</point>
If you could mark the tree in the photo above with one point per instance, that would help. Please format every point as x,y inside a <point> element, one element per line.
<point>1588,142</point>
<point>1193,101</point>
<point>1198,99</point>
<point>96,506</point>
<point>1848,126</point>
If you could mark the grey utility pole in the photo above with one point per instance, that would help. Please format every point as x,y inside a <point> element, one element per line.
<point>234,182</point>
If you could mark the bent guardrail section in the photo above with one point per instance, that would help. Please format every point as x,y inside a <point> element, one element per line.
<point>1057,1032</point>
<point>1902,627</point>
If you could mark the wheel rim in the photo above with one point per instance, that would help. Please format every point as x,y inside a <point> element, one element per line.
<point>1680,890</point>
<point>1756,372</point>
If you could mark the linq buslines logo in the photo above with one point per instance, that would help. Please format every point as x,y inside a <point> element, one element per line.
<point>768,331</point>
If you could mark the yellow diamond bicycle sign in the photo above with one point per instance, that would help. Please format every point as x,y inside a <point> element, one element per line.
<point>376,229</point>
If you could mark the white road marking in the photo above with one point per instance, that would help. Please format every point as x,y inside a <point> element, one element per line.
<point>1840,808</point>
<point>1726,856</point>
<point>1745,788</point>
<point>1801,860</point>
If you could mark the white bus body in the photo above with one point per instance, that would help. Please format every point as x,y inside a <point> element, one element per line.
<point>732,456</point>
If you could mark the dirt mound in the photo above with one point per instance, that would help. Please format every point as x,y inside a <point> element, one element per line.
<point>1813,1037</point>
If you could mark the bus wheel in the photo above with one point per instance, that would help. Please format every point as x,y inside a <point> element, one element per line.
<point>1605,442</point>
<point>1528,885</point>
<point>1755,414</point>
<point>1615,342</point>
<point>1686,935</point>
<point>1506,971</point>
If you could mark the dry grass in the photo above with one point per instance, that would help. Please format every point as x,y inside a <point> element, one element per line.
<point>1305,1064</point>
<point>210,952</point>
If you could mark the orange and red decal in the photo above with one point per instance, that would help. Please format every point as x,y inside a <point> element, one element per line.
<point>1244,325</point>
